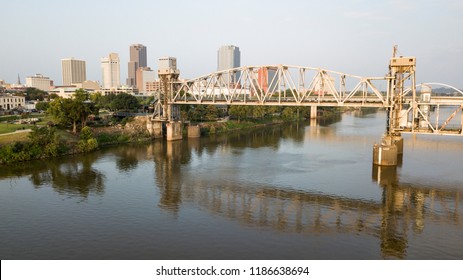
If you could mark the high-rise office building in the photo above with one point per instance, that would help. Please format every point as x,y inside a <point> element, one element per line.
<point>111,71</point>
<point>73,71</point>
<point>137,59</point>
<point>228,57</point>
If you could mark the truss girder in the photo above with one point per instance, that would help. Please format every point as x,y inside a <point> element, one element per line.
<point>281,85</point>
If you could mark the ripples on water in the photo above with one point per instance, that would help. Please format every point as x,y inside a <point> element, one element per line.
<point>285,192</point>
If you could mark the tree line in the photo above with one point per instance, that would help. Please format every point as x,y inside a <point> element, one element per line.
<point>76,110</point>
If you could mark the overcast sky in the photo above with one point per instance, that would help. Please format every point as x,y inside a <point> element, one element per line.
<point>354,37</point>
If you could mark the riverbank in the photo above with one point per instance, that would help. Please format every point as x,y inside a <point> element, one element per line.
<point>46,142</point>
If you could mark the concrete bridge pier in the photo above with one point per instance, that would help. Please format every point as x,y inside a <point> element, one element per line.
<point>194,131</point>
<point>155,128</point>
<point>387,153</point>
<point>313,122</point>
<point>398,141</point>
<point>313,112</point>
<point>174,131</point>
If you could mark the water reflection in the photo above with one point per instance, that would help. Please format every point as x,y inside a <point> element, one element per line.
<point>402,207</point>
<point>406,207</point>
<point>74,176</point>
<point>404,211</point>
<point>168,158</point>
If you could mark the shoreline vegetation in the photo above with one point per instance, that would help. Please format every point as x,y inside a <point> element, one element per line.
<point>47,140</point>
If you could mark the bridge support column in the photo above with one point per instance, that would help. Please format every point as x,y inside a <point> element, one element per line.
<point>313,112</point>
<point>155,128</point>
<point>174,131</point>
<point>461,122</point>
<point>194,131</point>
<point>398,141</point>
<point>387,153</point>
<point>313,122</point>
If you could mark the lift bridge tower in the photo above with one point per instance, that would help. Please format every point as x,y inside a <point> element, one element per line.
<point>165,120</point>
<point>401,76</point>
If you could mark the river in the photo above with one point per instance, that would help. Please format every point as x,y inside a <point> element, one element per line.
<point>293,191</point>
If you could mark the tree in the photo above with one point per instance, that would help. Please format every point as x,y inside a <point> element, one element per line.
<point>41,106</point>
<point>53,96</point>
<point>289,113</point>
<point>258,112</point>
<point>35,94</point>
<point>211,113</point>
<point>87,142</point>
<point>197,113</point>
<point>239,111</point>
<point>72,111</point>
<point>43,140</point>
<point>124,101</point>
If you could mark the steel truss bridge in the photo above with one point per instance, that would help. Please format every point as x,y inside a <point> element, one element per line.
<point>286,85</point>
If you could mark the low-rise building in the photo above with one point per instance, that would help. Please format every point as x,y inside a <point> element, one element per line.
<point>30,105</point>
<point>152,87</point>
<point>64,91</point>
<point>88,85</point>
<point>118,90</point>
<point>9,102</point>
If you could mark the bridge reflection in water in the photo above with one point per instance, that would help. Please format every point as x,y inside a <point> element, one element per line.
<point>402,208</point>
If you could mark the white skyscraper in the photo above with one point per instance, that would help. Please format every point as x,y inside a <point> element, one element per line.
<point>73,71</point>
<point>228,57</point>
<point>111,71</point>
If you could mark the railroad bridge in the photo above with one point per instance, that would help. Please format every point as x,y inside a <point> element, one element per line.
<point>409,111</point>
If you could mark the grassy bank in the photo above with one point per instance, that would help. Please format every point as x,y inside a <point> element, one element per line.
<point>45,142</point>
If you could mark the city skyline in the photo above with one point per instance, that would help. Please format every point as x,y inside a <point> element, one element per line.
<point>354,37</point>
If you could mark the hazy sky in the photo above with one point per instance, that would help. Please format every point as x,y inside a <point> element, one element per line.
<point>354,37</point>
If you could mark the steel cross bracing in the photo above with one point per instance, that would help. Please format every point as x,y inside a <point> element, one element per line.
<point>438,114</point>
<point>281,85</point>
<point>285,85</point>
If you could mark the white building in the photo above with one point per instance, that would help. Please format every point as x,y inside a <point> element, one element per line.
<point>63,91</point>
<point>8,102</point>
<point>111,72</point>
<point>118,90</point>
<point>40,82</point>
<point>73,71</point>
